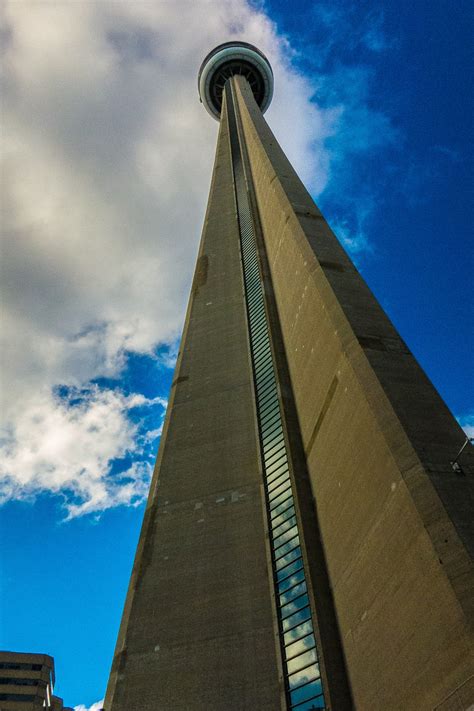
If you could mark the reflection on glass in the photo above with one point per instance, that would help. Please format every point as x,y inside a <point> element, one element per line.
<point>310,705</point>
<point>286,536</point>
<point>296,619</point>
<point>299,664</point>
<point>278,481</point>
<point>282,523</point>
<point>294,605</point>
<point>282,487</point>
<point>301,631</point>
<point>292,650</point>
<point>305,692</point>
<point>286,542</point>
<point>293,593</point>
<point>291,581</point>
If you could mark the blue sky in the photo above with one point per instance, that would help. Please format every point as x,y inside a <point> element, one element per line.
<point>104,135</point>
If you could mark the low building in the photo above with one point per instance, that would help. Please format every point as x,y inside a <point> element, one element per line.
<point>27,683</point>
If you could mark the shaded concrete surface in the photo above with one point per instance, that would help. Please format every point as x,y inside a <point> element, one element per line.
<point>396,521</point>
<point>198,630</point>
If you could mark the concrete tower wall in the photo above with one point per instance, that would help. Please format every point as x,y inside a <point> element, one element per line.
<point>198,630</point>
<point>395,519</point>
<point>383,524</point>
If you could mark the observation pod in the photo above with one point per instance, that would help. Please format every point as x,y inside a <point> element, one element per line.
<point>234,58</point>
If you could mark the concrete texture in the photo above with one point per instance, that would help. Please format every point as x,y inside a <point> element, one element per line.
<point>198,630</point>
<point>396,522</point>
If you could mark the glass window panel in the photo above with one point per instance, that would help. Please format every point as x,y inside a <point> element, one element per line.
<point>280,494</point>
<point>276,472</point>
<point>292,593</point>
<point>294,606</point>
<point>255,301</point>
<point>251,265</point>
<point>272,432</point>
<point>300,663</point>
<point>262,352</point>
<point>273,418</point>
<point>278,481</point>
<point>259,331</point>
<point>273,443</point>
<point>257,321</point>
<point>272,423</point>
<point>302,645</point>
<point>264,373</point>
<point>267,393</point>
<point>248,242</point>
<point>286,559</point>
<point>267,423</point>
<point>311,704</point>
<point>266,387</point>
<point>272,438</point>
<point>251,262</point>
<point>262,355</point>
<point>282,486</point>
<point>248,250</point>
<point>291,535</point>
<point>257,315</point>
<point>303,693</point>
<point>296,619</point>
<point>259,336</point>
<point>285,536</point>
<point>253,285</point>
<point>278,460</point>
<point>269,409</point>
<point>265,399</point>
<point>261,360</point>
<point>259,343</point>
<point>252,277</point>
<point>269,414</point>
<point>298,632</point>
<point>265,380</point>
<point>282,508</point>
<point>282,499</point>
<point>275,452</point>
<point>271,470</point>
<point>287,547</point>
<point>279,523</point>
<point>289,570</point>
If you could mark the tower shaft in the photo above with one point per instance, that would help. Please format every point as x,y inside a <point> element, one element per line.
<point>303,446</point>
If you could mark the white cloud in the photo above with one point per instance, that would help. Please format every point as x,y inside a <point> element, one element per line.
<point>95,707</point>
<point>467,423</point>
<point>107,161</point>
<point>66,445</point>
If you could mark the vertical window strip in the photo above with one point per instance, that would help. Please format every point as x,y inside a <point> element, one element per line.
<point>294,613</point>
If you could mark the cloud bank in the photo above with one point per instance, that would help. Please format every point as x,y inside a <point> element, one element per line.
<point>95,707</point>
<point>107,161</point>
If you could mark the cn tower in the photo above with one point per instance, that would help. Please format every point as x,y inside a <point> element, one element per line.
<point>308,537</point>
